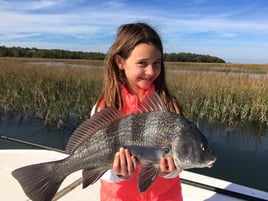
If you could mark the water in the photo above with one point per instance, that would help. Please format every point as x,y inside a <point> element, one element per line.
<point>59,63</point>
<point>250,75</point>
<point>242,153</point>
<point>33,131</point>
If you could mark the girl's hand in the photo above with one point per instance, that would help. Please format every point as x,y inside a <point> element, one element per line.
<point>167,166</point>
<point>124,163</point>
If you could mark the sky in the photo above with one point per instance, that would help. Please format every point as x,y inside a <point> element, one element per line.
<point>234,30</point>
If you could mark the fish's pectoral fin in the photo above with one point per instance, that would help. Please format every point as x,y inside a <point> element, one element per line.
<point>145,153</point>
<point>90,176</point>
<point>147,176</point>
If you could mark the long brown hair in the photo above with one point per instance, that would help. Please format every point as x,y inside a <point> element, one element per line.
<point>128,37</point>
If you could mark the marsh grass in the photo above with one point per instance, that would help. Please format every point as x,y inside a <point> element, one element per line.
<point>227,98</point>
<point>58,95</point>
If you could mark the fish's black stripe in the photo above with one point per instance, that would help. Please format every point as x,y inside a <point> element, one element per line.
<point>113,132</point>
<point>150,134</point>
<point>138,127</point>
<point>163,127</point>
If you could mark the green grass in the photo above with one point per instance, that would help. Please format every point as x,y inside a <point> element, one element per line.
<point>228,98</point>
<point>227,93</point>
<point>55,95</point>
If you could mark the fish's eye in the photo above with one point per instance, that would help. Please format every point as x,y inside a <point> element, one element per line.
<point>205,147</point>
<point>166,149</point>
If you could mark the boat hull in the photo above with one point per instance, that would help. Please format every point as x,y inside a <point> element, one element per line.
<point>195,187</point>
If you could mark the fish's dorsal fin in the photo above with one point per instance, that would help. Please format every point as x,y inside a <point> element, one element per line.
<point>90,126</point>
<point>152,102</point>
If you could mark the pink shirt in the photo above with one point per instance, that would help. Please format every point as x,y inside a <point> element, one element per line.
<point>131,101</point>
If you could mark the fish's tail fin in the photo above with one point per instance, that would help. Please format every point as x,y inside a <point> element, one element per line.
<point>37,181</point>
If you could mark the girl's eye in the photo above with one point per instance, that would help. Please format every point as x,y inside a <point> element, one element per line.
<point>157,64</point>
<point>142,63</point>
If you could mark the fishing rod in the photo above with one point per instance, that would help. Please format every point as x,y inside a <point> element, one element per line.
<point>223,191</point>
<point>3,137</point>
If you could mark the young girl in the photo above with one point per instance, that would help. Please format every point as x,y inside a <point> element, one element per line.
<point>134,67</point>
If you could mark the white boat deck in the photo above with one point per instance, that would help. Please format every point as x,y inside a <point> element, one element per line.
<point>11,190</point>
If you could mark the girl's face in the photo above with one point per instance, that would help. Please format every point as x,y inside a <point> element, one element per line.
<point>141,68</point>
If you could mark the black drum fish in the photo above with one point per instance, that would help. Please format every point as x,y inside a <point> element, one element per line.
<point>149,134</point>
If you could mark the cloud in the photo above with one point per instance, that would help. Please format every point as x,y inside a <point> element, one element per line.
<point>187,25</point>
<point>105,17</point>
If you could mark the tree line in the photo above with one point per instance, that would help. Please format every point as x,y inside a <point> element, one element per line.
<point>48,53</point>
<point>191,57</point>
<point>66,54</point>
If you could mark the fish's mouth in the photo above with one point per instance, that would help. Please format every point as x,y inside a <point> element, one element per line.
<point>210,164</point>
